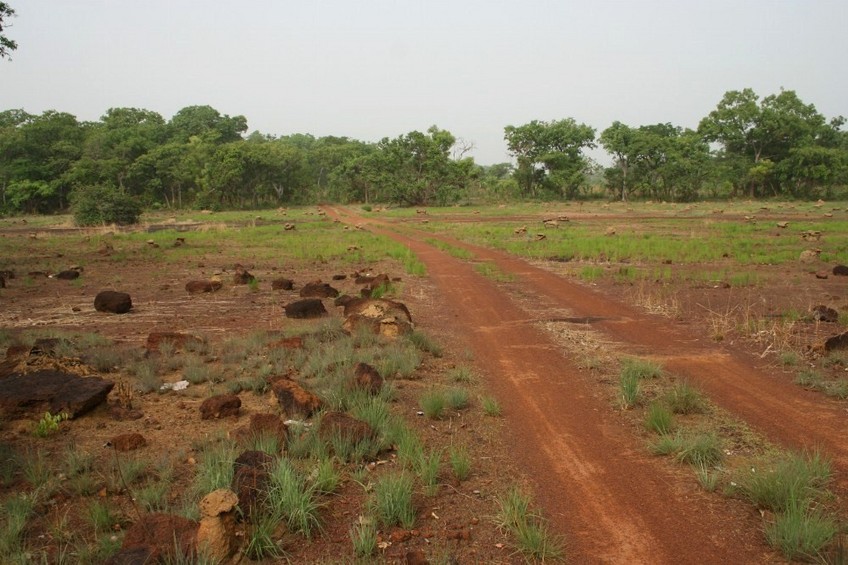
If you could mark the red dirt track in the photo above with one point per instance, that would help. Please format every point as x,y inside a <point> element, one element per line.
<point>597,485</point>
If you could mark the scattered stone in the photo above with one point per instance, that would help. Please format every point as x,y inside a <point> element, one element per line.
<point>822,313</point>
<point>113,301</point>
<point>196,287</point>
<point>384,317</point>
<point>263,425</point>
<point>520,231</point>
<point>811,235</point>
<point>38,274</point>
<point>69,275</point>
<point>179,385</point>
<point>610,231</point>
<point>162,535</point>
<point>317,289</point>
<point>251,475</point>
<point>220,406</point>
<point>7,274</point>
<point>339,277</point>
<point>128,442</point>
<point>809,255</point>
<point>293,398</point>
<point>138,555</point>
<point>282,284</point>
<point>122,413</point>
<point>821,275</point>
<point>106,249</point>
<point>416,557</point>
<point>835,343</point>
<point>216,535</point>
<point>51,391</point>
<point>343,300</point>
<point>783,225</point>
<point>540,237</point>
<point>372,280</point>
<point>367,378</point>
<point>242,276</point>
<point>340,425</point>
<point>176,340</point>
<point>288,226</point>
<point>840,271</point>
<point>308,308</point>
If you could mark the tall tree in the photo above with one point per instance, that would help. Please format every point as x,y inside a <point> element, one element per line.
<point>206,121</point>
<point>6,45</point>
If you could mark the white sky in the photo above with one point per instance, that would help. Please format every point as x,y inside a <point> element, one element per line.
<point>369,69</point>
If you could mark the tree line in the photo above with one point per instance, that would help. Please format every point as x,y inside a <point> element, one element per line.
<point>200,158</point>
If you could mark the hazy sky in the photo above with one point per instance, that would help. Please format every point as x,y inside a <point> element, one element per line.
<point>369,69</point>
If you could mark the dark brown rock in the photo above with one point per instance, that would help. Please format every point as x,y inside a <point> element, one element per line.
<point>339,277</point>
<point>68,275</point>
<point>221,406</point>
<point>367,378</point>
<point>121,413</point>
<point>113,301</point>
<point>282,284</point>
<point>163,535</point>
<point>317,289</point>
<point>128,442</point>
<point>835,343</point>
<point>372,280</point>
<point>263,425</point>
<point>2,282</point>
<point>295,400</point>
<point>308,308</point>
<point>51,391</point>
<point>251,476</point>
<point>7,274</point>
<point>178,341</point>
<point>343,300</point>
<point>416,557</point>
<point>841,270</point>
<point>138,555</point>
<point>339,424</point>
<point>243,277</point>
<point>821,275</point>
<point>822,313</point>
<point>197,287</point>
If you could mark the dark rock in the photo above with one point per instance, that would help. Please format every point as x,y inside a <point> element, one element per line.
<point>293,398</point>
<point>221,406</point>
<point>7,274</point>
<point>821,275</point>
<point>308,308</point>
<point>416,557</point>
<point>317,289</point>
<point>841,270</point>
<point>241,276</point>
<point>340,425</point>
<point>128,442</point>
<point>251,476</point>
<point>163,535</point>
<point>197,287</point>
<point>121,413</point>
<point>38,274</point>
<point>113,301</point>
<point>835,343</point>
<point>343,300</point>
<point>138,555</point>
<point>68,275</point>
<point>822,313</point>
<point>339,277</point>
<point>282,284</point>
<point>51,391</point>
<point>2,282</point>
<point>178,341</point>
<point>367,378</point>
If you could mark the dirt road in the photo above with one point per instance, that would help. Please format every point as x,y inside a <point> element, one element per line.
<point>595,482</point>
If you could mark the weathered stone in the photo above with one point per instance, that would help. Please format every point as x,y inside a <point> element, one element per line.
<point>339,277</point>
<point>821,275</point>
<point>221,406</point>
<point>216,535</point>
<point>121,413</point>
<point>374,280</point>
<point>68,275</point>
<point>340,425</point>
<point>178,341</point>
<point>841,270</point>
<point>197,287</point>
<point>809,255</point>
<point>282,284</point>
<point>343,300</point>
<point>163,535</point>
<point>7,274</point>
<point>836,343</point>
<point>241,276</point>
<point>137,555</point>
<point>251,475</point>
<point>367,378</point>
<point>308,308</point>
<point>318,289</point>
<point>128,442</point>
<point>822,313</point>
<point>51,391</point>
<point>263,425</point>
<point>384,317</point>
<point>293,398</point>
<point>416,557</point>
<point>113,301</point>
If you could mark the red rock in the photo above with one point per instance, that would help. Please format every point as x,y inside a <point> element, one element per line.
<point>113,302</point>
<point>293,398</point>
<point>367,378</point>
<point>221,406</point>
<point>196,287</point>
<point>305,309</point>
<point>163,535</point>
<point>128,442</point>
<point>335,424</point>
<point>51,391</point>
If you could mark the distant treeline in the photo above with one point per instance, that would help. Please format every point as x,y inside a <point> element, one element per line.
<point>747,146</point>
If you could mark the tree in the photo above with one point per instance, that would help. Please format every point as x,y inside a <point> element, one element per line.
<point>6,45</point>
<point>207,122</point>
<point>549,155</point>
<point>618,140</point>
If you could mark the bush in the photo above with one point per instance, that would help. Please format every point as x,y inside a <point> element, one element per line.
<point>98,205</point>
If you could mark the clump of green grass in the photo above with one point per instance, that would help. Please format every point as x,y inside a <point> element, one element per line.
<point>532,536</point>
<point>659,419</point>
<point>699,449</point>
<point>364,538</point>
<point>684,399</point>
<point>100,516</point>
<point>260,540</point>
<point>326,478</point>
<point>798,476</point>
<point>427,467</point>
<point>492,271</point>
<point>460,463</point>
<point>491,406</point>
<point>801,531</point>
<point>788,358</point>
<point>629,390</point>
<point>391,501</point>
<point>433,404</point>
<point>17,510</point>
<point>457,398</point>
<point>591,273</point>
<point>462,374</point>
<point>425,343</point>
<point>215,469</point>
<point>290,497</point>
<point>398,360</point>
<point>641,368</point>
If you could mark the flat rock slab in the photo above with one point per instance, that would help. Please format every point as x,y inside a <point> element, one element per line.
<point>51,391</point>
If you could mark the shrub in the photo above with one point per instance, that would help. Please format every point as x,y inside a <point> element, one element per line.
<point>659,419</point>
<point>97,205</point>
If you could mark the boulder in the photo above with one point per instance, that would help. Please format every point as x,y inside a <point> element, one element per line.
<point>367,378</point>
<point>113,301</point>
<point>178,341</point>
<point>835,343</point>
<point>308,308</point>
<point>163,535</point>
<point>128,442</point>
<point>220,406</point>
<point>251,475</point>
<point>343,300</point>
<point>7,274</point>
<point>263,425</point>
<point>216,535</point>
<point>840,271</point>
<point>809,255</point>
<point>51,391</point>
<point>339,277</point>
<point>282,284</point>
<point>197,287</point>
<point>822,313</point>
<point>295,400</point>
<point>384,317</point>
<point>68,275</point>
<point>318,289</point>
<point>241,276</point>
<point>340,425</point>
